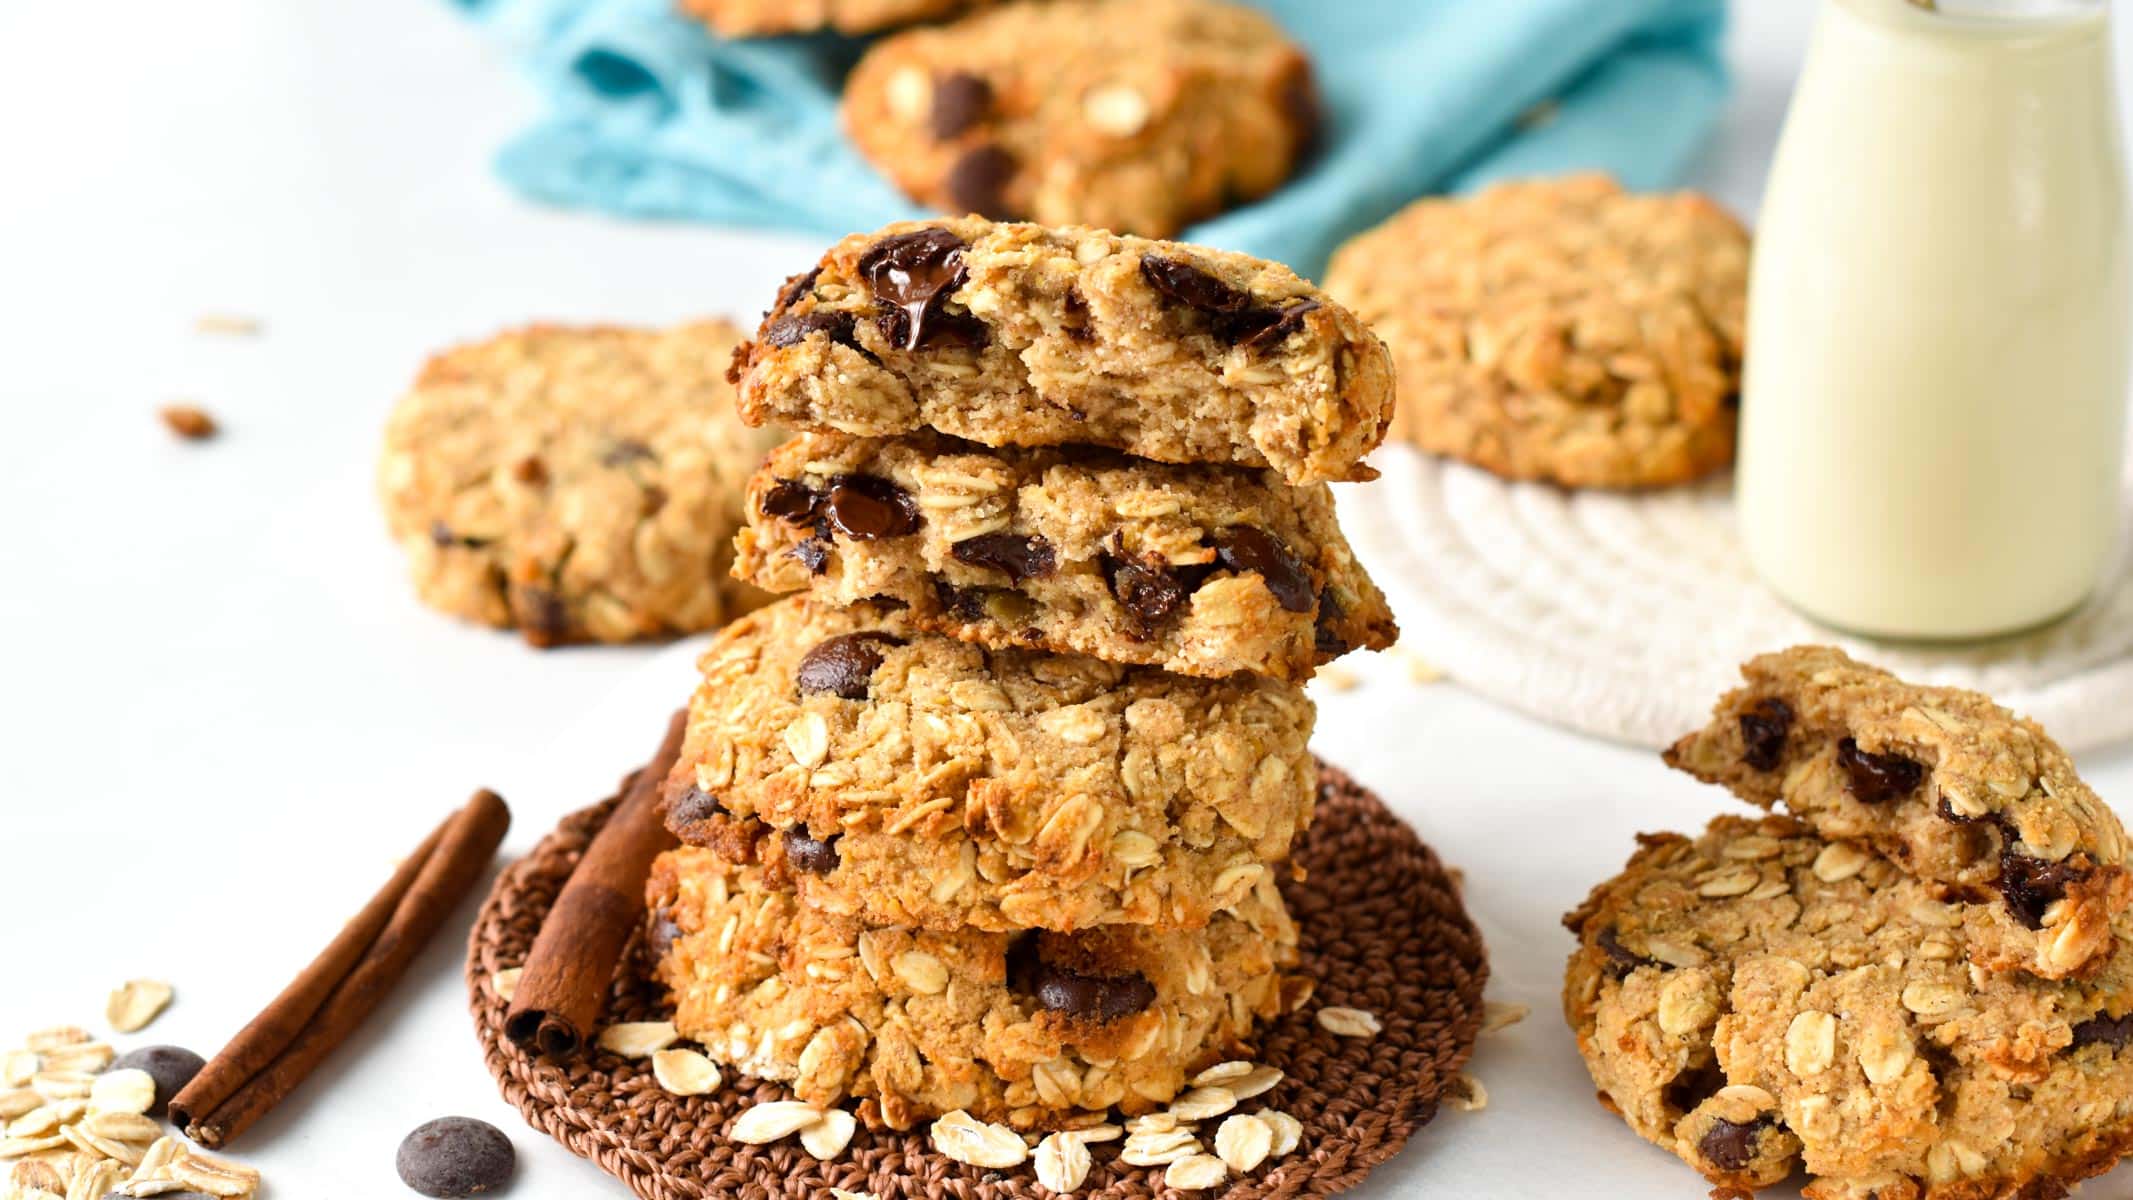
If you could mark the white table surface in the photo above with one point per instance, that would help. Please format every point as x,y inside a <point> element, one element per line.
<point>224,713</point>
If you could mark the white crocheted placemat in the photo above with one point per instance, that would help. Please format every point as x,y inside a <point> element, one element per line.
<point>1626,615</point>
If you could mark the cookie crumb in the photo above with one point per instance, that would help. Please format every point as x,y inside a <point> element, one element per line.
<point>1465,1093</point>
<point>1419,669</point>
<point>1338,678</point>
<point>227,325</point>
<point>189,422</point>
<point>1497,1015</point>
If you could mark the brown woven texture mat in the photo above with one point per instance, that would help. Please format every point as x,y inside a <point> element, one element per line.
<point>1383,930</point>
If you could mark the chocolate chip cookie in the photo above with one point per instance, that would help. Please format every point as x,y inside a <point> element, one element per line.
<point>1029,1029</point>
<point>1018,335</point>
<point>1761,999</point>
<point>762,18</point>
<point>1199,570</point>
<point>580,484</point>
<point>1959,791</point>
<point>1142,116</point>
<point>948,784</point>
<point>1560,330</point>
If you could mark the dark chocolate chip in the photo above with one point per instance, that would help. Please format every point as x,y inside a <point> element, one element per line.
<point>1763,730</point>
<point>790,329</point>
<point>1147,589</point>
<point>691,807</point>
<point>1694,1086</point>
<point>790,500</point>
<point>866,508</point>
<point>172,1067</point>
<point>1185,284</point>
<point>1079,995</point>
<point>1078,321</point>
<point>911,276</point>
<point>2103,1030</point>
<point>541,615</point>
<point>2031,885</point>
<point>812,855</point>
<point>843,665</point>
<point>1731,1147</point>
<point>978,181</point>
<point>796,287</point>
<point>1325,634</point>
<point>1277,325</point>
<point>456,1156</point>
<point>814,554</point>
<point>625,452</point>
<point>1021,557</point>
<point>965,604</point>
<point>960,100</point>
<point>1620,959</point>
<point>1878,778</point>
<point>1246,548</point>
<point>660,933</point>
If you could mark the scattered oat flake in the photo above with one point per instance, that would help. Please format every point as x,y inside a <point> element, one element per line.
<point>1420,669</point>
<point>127,1091</point>
<point>1338,678</point>
<point>638,1039</point>
<point>1256,1082</point>
<point>18,1103</point>
<point>505,983</point>
<point>1062,1161</point>
<point>966,1139</point>
<point>1466,1094</point>
<point>135,1003</point>
<point>827,1138</point>
<point>227,324</point>
<point>87,1058</point>
<point>1102,1131</point>
<point>1349,1022</point>
<point>1201,1103</point>
<point>841,1194</point>
<point>1196,1172</point>
<point>19,1067</point>
<point>685,1072</point>
<point>58,1036</point>
<point>1497,1015</point>
<point>769,1122</point>
<point>189,421</point>
<point>1243,1142</point>
<point>1288,1131</point>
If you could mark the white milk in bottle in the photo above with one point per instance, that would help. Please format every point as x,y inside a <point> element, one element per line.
<point>1933,416</point>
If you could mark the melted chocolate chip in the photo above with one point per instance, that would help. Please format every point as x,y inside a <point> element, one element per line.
<point>843,665</point>
<point>960,100</point>
<point>1148,590</point>
<point>1021,557</point>
<point>2031,885</point>
<point>1878,778</point>
<point>1183,283</point>
<point>867,508</point>
<point>978,181</point>
<point>1277,326</point>
<point>1244,548</point>
<point>2103,1030</point>
<point>1620,960</point>
<point>693,806</point>
<point>911,276</point>
<point>814,554</point>
<point>1731,1147</point>
<point>1325,636</point>
<point>626,451</point>
<point>1084,997</point>
<point>790,500</point>
<point>790,329</point>
<point>805,853</point>
<point>1763,730</point>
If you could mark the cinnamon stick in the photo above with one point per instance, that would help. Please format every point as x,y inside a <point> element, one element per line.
<point>562,991</point>
<point>328,1001</point>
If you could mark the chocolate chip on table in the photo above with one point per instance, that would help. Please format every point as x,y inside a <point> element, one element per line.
<point>172,1067</point>
<point>2103,1030</point>
<point>843,665</point>
<point>1878,778</point>
<point>816,856</point>
<point>1245,548</point>
<point>790,329</point>
<point>1730,1146</point>
<point>1021,557</point>
<point>867,508</point>
<point>1763,730</point>
<point>456,1156</point>
<point>1147,589</point>
<point>792,501</point>
<point>977,182</point>
<point>911,275</point>
<point>960,100</point>
<point>2032,885</point>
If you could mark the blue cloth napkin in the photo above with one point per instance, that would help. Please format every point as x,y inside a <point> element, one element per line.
<point>651,115</point>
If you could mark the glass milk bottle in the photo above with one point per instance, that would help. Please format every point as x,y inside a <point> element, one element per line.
<point>1933,417</point>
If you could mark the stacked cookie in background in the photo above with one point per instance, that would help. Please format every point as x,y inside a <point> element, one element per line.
<point>1917,985</point>
<point>987,825</point>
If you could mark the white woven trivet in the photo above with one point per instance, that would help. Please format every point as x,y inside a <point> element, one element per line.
<point>1626,615</point>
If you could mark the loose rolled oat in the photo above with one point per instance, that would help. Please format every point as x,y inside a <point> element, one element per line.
<point>1349,1022</point>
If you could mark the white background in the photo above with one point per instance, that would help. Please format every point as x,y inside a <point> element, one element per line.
<point>222,714</point>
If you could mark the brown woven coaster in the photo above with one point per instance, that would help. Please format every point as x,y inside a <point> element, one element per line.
<point>1383,930</point>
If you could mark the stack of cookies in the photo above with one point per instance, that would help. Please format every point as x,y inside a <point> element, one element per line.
<point>1916,986</point>
<point>990,820</point>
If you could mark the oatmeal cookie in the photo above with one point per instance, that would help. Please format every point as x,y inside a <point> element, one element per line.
<point>1142,116</point>
<point>1019,335</point>
<point>948,784</point>
<point>580,484</point>
<point>1956,789</point>
<point>1560,330</point>
<point>1199,570</point>
<point>765,18</point>
<point>1761,999</point>
<point>1028,1028</point>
